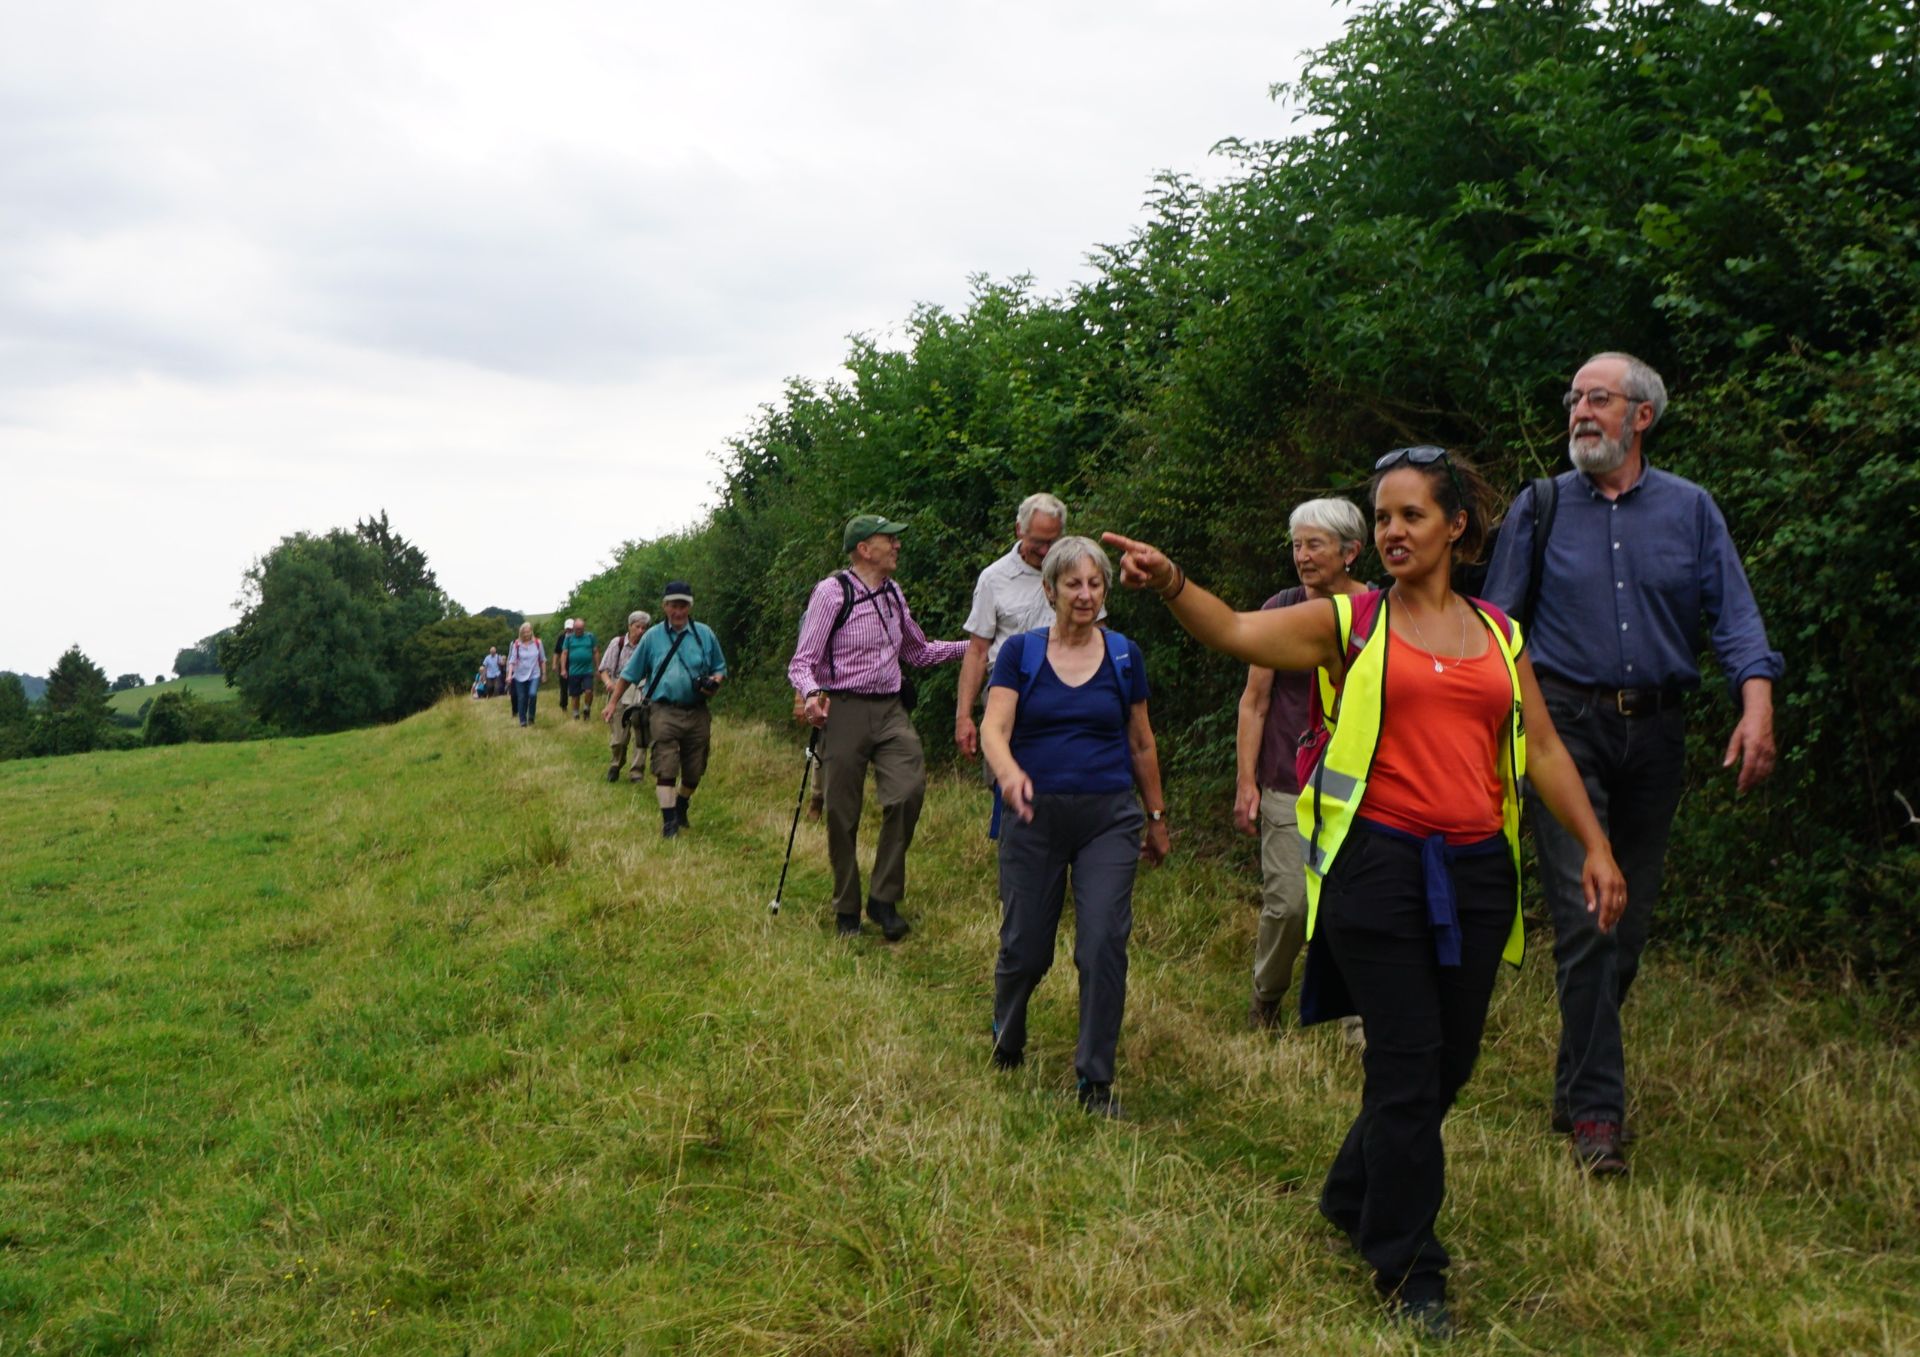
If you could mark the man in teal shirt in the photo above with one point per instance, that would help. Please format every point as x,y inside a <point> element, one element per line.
<point>575,657</point>
<point>677,667</point>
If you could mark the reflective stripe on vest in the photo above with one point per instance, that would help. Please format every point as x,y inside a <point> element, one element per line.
<point>1328,804</point>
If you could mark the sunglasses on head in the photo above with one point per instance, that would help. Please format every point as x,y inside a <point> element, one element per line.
<point>1424,455</point>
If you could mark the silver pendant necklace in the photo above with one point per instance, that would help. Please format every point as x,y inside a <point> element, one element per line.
<point>1438,667</point>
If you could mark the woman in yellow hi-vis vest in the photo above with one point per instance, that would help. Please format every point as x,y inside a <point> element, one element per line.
<point>1410,831</point>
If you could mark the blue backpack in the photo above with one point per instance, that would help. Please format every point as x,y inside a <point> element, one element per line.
<point>1033,654</point>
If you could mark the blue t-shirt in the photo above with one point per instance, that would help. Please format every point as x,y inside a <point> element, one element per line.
<point>1073,739</point>
<point>697,656</point>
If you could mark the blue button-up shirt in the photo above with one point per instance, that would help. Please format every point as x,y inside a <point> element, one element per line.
<point>1628,584</point>
<point>697,656</point>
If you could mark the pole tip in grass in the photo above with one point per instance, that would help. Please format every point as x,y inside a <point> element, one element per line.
<point>773,906</point>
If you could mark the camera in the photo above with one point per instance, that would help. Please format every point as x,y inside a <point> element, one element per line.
<point>707,686</point>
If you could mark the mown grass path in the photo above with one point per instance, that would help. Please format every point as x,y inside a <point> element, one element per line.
<point>421,1040</point>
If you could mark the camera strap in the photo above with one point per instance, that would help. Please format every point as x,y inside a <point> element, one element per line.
<point>661,672</point>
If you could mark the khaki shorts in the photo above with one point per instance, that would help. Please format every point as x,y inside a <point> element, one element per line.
<point>681,736</point>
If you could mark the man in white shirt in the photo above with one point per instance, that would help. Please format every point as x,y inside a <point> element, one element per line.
<point>1007,600</point>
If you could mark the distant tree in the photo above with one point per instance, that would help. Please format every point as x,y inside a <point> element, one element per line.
<point>443,655</point>
<point>169,718</point>
<point>14,708</point>
<point>76,718</point>
<point>403,566</point>
<point>126,681</point>
<point>34,686</point>
<point>507,615</point>
<point>16,717</point>
<point>159,678</point>
<point>203,657</point>
<point>323,643</point>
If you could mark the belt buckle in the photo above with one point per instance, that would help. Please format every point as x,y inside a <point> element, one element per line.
<point>1620,703</point>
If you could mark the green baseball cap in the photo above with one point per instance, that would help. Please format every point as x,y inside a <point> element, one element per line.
<point>862,526</point>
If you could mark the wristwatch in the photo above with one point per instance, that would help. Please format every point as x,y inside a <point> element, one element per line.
<point>1156,816</point>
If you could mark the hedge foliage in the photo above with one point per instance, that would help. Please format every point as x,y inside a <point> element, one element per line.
<point>1481,195</point>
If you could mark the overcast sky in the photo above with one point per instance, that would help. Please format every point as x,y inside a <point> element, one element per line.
<point>513,273</point>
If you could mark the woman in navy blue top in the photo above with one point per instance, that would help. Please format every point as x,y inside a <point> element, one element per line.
<point>1067,737</point>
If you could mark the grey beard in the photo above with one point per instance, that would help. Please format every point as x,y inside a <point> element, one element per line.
<point>1597,459</point>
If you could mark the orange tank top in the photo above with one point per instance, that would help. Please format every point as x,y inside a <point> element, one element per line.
<point>1436,767</point>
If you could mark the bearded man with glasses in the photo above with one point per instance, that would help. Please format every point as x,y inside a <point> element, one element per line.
<point>1638,565</point>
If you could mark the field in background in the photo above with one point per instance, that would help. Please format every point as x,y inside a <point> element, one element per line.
<point>419,1039</point>
<point>206,687</point>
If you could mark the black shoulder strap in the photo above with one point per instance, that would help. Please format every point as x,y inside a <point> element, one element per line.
<point>1546,502</point>
<point>840,618</point>
<point>661,672</point>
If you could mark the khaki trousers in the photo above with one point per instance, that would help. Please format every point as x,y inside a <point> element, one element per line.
<point>621,734</point>
<point>1283,903</point>
<point>876,731</point>
<point>1283,897</point>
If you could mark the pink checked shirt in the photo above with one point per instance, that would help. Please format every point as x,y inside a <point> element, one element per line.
<point>868,650</point>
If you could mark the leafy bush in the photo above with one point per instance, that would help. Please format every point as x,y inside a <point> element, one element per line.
<point>1485,195</point>
<point>179,717</point>
<point>325,640</point>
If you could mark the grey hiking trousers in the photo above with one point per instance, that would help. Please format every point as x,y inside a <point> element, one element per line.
<point>1092,840</point>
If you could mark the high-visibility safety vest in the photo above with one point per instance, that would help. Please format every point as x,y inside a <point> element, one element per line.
<point>1330,800</point>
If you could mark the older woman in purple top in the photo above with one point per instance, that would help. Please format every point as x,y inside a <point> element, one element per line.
<point>1067,737</point>
<point>1275,711</point>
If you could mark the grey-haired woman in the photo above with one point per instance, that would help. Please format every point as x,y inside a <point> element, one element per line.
<point>1067,737</point>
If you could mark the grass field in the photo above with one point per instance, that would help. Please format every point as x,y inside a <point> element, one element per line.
<point>206,687</point>
<point>420,1040</point>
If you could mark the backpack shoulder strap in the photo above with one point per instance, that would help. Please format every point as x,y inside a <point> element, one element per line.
<point>846,602</point>
<point>1507,625</point>
<point>1120,655</point>
<point>840,618</point>
<point>1033,654</point>
<point>1546,503</point>
<point>1366,612</point>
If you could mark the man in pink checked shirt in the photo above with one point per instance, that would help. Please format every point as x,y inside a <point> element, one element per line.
<point>846,667</point>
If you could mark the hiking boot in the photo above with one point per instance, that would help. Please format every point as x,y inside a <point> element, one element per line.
<point>670,828</point>
<point>1005,1057</point>
<point>613,772</point>
<point>1596,1148</point>
<point>1563,1126</point>
<point>1097,1100</point>
<point>847,925</point>
<point>680,812</point>
<point>1424,1318</point>
<point>891,924</point>
<point>1263,1015</point>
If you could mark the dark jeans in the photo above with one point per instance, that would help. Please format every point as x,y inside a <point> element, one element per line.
<point>1094,839</point>
<point>1632,767</point>
<point>1423,1024</point>
<point>526,696</point>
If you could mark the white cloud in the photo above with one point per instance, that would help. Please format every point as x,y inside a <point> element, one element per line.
<point>512,274</point>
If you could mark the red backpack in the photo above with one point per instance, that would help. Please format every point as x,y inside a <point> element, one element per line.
<point>1325,692</point>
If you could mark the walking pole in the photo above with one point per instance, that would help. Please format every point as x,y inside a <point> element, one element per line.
<point>806,771</point>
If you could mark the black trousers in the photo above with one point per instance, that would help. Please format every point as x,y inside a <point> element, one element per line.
<point>1634,769</point>
<point>1423,1023</point>
<point>1092,839</point>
